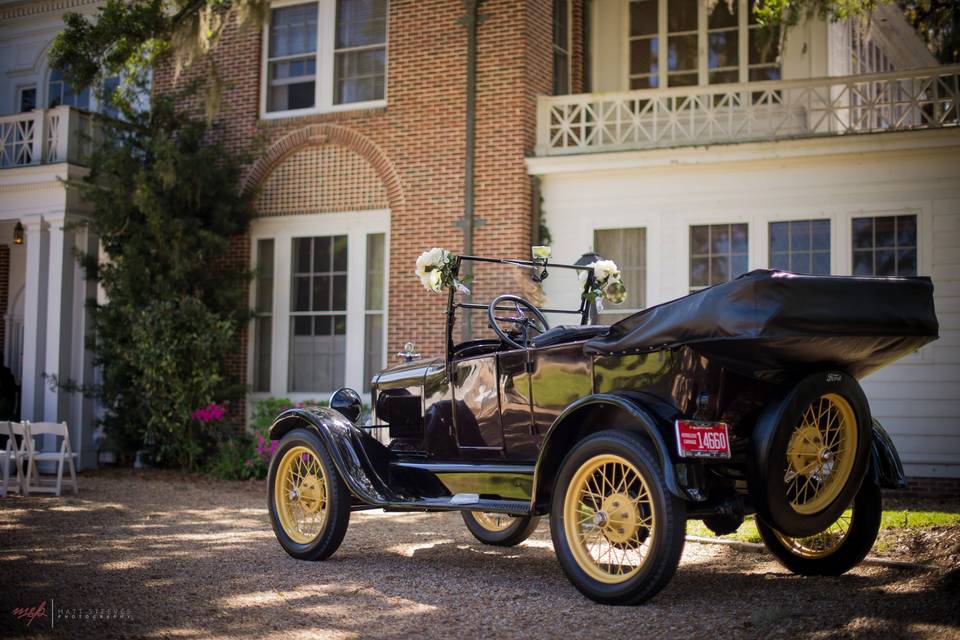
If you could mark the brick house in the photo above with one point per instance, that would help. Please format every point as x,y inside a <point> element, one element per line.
<point>686,173</point>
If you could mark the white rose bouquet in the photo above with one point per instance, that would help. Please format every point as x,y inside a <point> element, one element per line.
<point>607,284</point>
<point>436,269</point>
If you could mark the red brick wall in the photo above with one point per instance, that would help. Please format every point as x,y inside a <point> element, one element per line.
<point>420,136</point>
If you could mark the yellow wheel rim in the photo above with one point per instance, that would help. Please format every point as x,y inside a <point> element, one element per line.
<point>494,522</point>
<point>300,494</point>
<point>820,454</point>
<point>819,545</point>
<point>608,518</point>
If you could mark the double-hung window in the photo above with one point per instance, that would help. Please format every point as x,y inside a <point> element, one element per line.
<point>325,55</point>
<point>718,253</point>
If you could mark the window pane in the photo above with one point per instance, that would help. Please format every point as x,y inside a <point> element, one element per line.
<point>301,293</point>
<point>373,345</point>
<point>682,53</point>
<point>293,30</point>
<point>863,263</point>
<point>863,233</point>
<point>291,96</point>
<point>262,352</point>
<point>561,24</point>
<point>28,99</point>
<point>779,236</point>
<point>301,255</point>
<point>699,272</point>
<point>820,232</point>
<point>643,17</point>
<point>907,262</point>
<point>361,23</point>
<point>681,15</point>
<point>763,49</point>
<point>821,264</point>
<point>322,255</point>
<point>800,236</point>
<point>339,253</point>
<point>628,249</point>
<point>884,231</point>
<point>375,271</point>
<point>906,231</point>
<point>339,293</point>
<point>780,261</point>
<point>719,238</point>
<point>739,234</point>
<point>723,50</point>
<point>264,295</point>
<point>721,16</point>
<point>322,293</point>
<point>360,76</point>
<point>561,73</point>
<point>700,239</point>
<point>643,56</point>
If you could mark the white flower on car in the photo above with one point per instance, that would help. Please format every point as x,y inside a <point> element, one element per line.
<point>435,268</point>
<point>435,280</point>
<point>607,283</point>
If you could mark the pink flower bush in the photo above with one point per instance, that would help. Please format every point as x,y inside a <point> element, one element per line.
<point>210,413</point>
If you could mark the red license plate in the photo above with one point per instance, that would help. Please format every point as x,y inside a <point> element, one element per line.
<point>696,439</point>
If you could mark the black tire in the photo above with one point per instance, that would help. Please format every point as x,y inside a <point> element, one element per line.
<point>861,534</point>
<point>519,530</point>
<point>768,451</point>
<point>334,527</point>
<point>668,511</point>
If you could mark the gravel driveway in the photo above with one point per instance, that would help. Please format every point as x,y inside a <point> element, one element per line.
<point>189,558</point>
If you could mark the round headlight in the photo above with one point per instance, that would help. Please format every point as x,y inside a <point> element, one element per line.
<point>347,402</point>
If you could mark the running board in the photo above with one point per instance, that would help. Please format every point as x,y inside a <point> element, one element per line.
<point>458,503</point>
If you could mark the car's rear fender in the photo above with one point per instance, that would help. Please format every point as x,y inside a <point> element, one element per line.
<point>600,412</point>
<point>353,452</point>
<point>886,470</point>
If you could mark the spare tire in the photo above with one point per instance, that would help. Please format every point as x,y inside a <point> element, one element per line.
<point>809,452</point>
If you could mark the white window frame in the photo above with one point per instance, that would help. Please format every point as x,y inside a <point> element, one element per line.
<point>703,44</point>
<point>356,225</point>
<point>716,219</point>
<point>324,79</point>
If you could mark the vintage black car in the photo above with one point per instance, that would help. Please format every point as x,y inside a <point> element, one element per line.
<point>739,399</point>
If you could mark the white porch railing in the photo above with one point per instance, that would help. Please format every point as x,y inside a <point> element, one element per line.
<point>45,136</point>
<point>756,111</point>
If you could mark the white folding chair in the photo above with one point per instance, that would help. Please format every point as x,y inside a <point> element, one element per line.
<point>13,454</point>
<point>64,455</point>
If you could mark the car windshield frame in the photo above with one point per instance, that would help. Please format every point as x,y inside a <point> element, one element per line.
<point>584,310</point>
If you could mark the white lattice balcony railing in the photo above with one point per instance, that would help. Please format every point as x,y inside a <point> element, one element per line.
<point>755,111</point>
<point>45,136</point>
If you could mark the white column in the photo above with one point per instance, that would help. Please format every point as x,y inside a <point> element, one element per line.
<point>59,317</point>
<point>81,415</point>
<point>34,317</point>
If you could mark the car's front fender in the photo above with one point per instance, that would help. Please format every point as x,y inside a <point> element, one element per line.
<point>632,415</point>
<point>345,444</point>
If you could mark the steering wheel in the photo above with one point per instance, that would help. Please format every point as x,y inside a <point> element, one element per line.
<point>523,324</point>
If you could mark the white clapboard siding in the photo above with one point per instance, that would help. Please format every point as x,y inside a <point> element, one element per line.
<point>918,398</point>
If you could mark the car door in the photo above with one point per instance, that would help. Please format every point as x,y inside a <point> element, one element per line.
<point>477,406</point>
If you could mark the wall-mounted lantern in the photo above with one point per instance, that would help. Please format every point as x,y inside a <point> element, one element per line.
<point>18,233</point>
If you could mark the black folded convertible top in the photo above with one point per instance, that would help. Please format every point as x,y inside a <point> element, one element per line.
<point>765,323</point>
